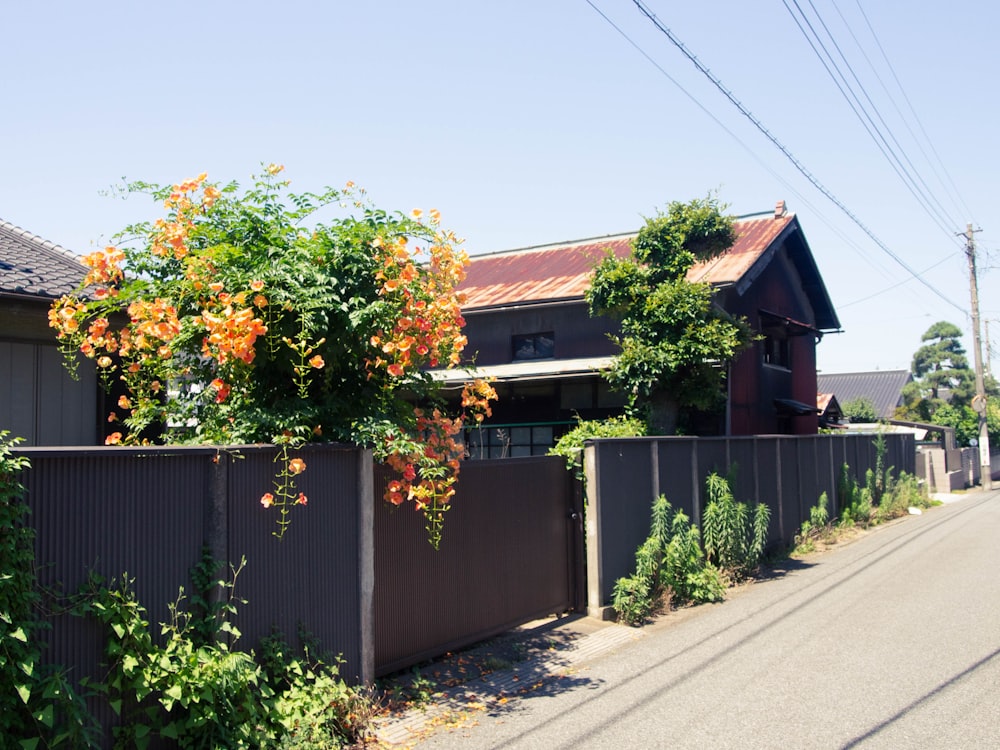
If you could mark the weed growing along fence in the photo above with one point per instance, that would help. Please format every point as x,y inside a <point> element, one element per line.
<point>786,473</point>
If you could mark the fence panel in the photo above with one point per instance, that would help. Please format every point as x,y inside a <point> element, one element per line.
<point>786,472</point>
<point>145,514</point>
<point>508,556</point>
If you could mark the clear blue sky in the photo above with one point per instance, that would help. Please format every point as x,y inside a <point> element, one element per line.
<point>527,123</point>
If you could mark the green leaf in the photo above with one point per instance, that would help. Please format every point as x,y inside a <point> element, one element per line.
<point>46,716</point>
<point>18,634</point>
<point>174,691</point>
<point>119,630</point>
<point>30,744</point>
<point>116,706</point>
<point>23,692</point>
<point>27,667</point>
<point>170,731</point>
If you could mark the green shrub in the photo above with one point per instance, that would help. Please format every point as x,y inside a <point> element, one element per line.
<point>38,705</point>
<point>856,506</point>
<point>570,445</point>
<point>902,494</point>
<point>670,563</point>
<point>198,692</point>
<point>817,527</point>
<point>734,537</point>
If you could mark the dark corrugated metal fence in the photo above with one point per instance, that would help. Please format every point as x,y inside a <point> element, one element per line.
<point>146,513</point>
<point>787,473</point>
<point>511,552</point>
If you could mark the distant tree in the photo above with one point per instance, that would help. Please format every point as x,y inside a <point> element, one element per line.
<point>674,340</point>
<point>860,409</point>
<point>941,364</point>
<point>941,375</point>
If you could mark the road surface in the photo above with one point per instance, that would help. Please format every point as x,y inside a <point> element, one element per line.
<point>890,641</point>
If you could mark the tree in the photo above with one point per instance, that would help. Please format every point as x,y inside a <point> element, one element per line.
<point>860,409</point>
<point>247,320</point>
<point>944,384</point>
<point>674,341</point>
<point>941,375</point>
<point>941,364</point>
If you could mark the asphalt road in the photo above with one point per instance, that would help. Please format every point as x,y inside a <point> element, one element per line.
<point>890,641</point>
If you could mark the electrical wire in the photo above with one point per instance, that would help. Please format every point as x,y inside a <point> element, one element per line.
<point>842,306</point>
<point>954,191</point>
<point>787,153</point>
<point>764,165</point>
<point>880,132</point>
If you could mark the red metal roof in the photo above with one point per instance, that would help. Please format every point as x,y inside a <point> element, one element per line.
<point>562,272</point>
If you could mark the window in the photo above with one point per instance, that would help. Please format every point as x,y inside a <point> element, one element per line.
<point>533,346</point>
<point>510,441</point>
<point>777,351</point>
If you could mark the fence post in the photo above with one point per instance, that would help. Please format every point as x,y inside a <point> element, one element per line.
<point>217,523</point>
<point>366,563</point>
<point>594,536</point>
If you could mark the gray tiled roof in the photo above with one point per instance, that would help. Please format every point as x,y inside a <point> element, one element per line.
<point>35,267</point>
<point>883,387</point>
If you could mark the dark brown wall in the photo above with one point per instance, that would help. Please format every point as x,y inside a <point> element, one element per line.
<point>754,384</point>
<point>39,401</point>
<point>576,333</point>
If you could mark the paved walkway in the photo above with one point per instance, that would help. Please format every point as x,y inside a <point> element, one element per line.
<point>574,641</point>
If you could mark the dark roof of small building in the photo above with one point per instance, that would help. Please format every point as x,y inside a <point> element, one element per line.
<point>34,267</point>
<point>883,387</point>
<point>561,272</point>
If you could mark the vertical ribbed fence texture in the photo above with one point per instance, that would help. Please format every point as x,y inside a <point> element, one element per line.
<point>510,554</point>
<point>786,473</point>
<point>147,514</point>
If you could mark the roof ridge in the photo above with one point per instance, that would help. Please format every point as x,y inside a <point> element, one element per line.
<point>746,218</point>
<point>40,242</point>
<point>554,245</point>
<point>894,370</point>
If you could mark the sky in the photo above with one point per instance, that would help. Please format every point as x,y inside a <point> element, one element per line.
<point>530,123</point>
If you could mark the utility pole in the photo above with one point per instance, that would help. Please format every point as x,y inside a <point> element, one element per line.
<point>979,402</point>
<point>987,368</point>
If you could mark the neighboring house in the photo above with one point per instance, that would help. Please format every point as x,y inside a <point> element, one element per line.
<point>529,327</point>
<point>39,401</point>
<point>830,413</point>
<point>884,388</point>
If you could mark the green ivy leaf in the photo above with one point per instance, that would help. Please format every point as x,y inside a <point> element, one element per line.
<point>46,716</point>
<point>23,692</point>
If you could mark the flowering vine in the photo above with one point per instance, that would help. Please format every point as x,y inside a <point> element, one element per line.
<point>231,320</point>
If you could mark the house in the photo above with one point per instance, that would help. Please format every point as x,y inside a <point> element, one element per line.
<point>830,413</point>
<point>39,401</point>
<point>529,328</point>
<point>884,388</point>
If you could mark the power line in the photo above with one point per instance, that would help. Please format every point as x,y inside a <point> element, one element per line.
<point>784,150</point>
<point>898,284</point>
<point>954,193</point>
<point>791,188</point>
<point>880,132</point>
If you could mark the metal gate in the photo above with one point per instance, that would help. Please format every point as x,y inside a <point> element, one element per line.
<point>512,552</point>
